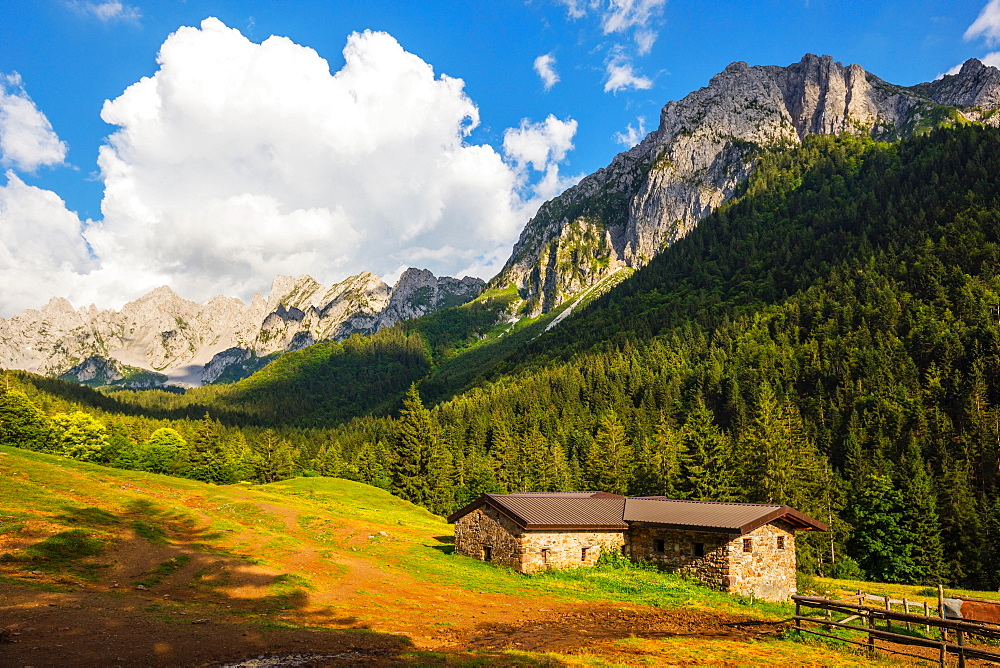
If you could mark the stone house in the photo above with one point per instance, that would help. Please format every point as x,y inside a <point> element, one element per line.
<point>743,548</point>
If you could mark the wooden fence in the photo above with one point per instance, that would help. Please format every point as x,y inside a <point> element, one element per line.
<point>867,619</point>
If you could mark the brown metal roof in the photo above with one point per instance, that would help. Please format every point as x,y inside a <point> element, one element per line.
<point>601,510</point>
<point>713,516</point>
<point>587,510</point>
<point>563,512</point>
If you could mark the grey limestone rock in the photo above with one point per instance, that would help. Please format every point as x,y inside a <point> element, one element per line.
<point>191,343</point>
<point>705,147</point>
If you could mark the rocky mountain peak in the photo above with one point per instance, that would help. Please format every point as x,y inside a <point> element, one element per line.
<point>705,147</point>
<point>976,85</point>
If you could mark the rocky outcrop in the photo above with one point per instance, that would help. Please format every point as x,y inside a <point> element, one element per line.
<point>418,292</point>
<point>191,344</point>
<point>705,147</point>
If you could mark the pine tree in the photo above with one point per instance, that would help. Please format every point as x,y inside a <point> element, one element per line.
<point>207,461</point>
<point>608,461</point>
<point>416,441</point>
<point>921,517</point>
<point>329,461</point>
<point>705,474</point>
<point>373,463</point>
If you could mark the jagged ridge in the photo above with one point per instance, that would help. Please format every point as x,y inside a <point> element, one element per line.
<point>191,343</point>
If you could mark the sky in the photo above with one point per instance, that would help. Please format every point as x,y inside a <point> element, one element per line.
<point>211,145</point>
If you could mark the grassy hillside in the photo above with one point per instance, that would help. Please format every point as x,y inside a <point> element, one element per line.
<point>98,564</point>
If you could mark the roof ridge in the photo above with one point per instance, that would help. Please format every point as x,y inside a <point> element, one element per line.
<point>716,503</point>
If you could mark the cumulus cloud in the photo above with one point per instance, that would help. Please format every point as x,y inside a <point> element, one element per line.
<point>622,76</point>
<point>108,12</point>
<point>237,161</point>
<point>42,252</point>
<point>987,24</point>
<point>538,144</point>
<point>27,140</point>
<point>545,67</point>
<point>632,135</point>
<point>540,147</point>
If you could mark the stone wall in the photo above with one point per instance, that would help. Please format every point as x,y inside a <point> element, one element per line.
<point>678,555</point>
<point>487,535</point>
<point>765,572</point>
<point>566,548</point>
<point>485,531</point>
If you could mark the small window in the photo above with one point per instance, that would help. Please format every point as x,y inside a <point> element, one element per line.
<point>781,542</point>
<point>545,555</point>
<point>699,549</point>
<point>583,554</point>
<point>658,546</point>
<point>487,553</point>
<point>748,544</point>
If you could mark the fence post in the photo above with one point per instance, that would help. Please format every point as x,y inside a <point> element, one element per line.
<point>798,622</point>
<point>906,609</point>
<point>961,648</point>
<point>927,613</point>
<point>944,631</point>
<point>888,622</point>
<point>871,638</point>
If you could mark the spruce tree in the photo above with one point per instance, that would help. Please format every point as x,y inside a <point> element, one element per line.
<point>609,463</point>
<point>416,440</point>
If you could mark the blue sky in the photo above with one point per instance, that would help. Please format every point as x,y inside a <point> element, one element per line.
<point>615,64</point>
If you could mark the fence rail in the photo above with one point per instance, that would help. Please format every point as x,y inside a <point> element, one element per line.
<point>868,617</point>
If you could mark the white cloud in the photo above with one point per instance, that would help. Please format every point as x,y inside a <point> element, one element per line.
<point>623,15</point>
<point>576,9</point>
<point>238,161</point>
<point>27,140</point>
<point>621,76</point>
<point>42,252</point>
<point>545,67</point>
<point>632,135</point>
<point>644,40</point>
<point>540,147</point>
<point>539,144</point>
<point>108,12</point>
<point>987,24</point>
<point>638,19</point>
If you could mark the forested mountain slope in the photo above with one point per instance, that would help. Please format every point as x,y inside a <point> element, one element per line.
<point>829,341</point>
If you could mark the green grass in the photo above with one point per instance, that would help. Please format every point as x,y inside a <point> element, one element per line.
<point>67,546</point>
<point>340,522</point>
<point>164,570</point>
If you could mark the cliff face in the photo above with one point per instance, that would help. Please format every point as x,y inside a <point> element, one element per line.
<point>191,343</point>
<point>705,147</point>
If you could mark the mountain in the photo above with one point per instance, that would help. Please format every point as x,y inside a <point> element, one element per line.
<point>705,147</point>
<point>162,337</point>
